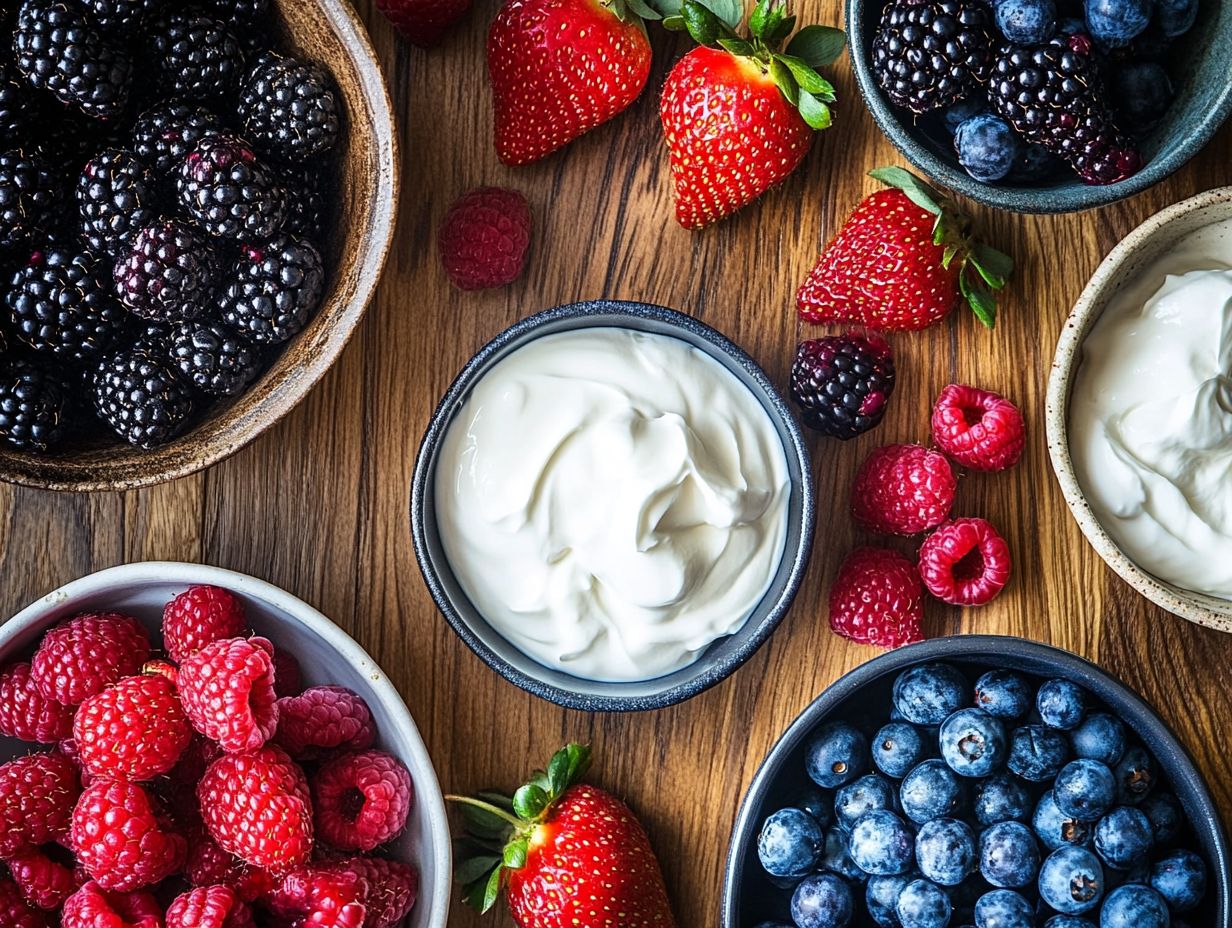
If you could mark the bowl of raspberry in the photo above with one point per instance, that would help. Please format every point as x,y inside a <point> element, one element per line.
<point>184,746</point>
<point>1044,106</point>
<point>977,780</point>
<point>198,201</point>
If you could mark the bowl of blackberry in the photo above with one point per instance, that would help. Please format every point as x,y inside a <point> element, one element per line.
<point>1044,106</point>
<point>195,204</point>
<point>977,781</point>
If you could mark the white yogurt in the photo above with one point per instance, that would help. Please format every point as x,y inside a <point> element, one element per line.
<point>612,501</point>
<point>1150,426</point>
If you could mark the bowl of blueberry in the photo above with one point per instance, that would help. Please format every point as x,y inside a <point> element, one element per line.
<point>1044,106</point>
<point>977,781</point>
<point>196,201</point>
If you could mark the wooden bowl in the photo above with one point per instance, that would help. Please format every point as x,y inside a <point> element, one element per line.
<point>365,203</point>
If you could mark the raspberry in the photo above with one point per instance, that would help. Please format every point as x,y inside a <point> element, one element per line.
<point>78,658</point>
<point>287,678</point>
<point>877,599</point>
<point>321,897</point>
<point>134,730</point>
<point>392,887</point>
<point>198,616</point>
<point>94,907</point>
<point>209,907</point>
<point>257,807</point>
<point>28,715</point>
<point>37,793</point>
<point>361,800</point>
<point>15,912</point>
<point>207,864</point>
<point>45,875</point>
<point>484,238</point>
<point>121,839</point>
<point>965,562</point>
<point>978,429</point>
<point>200,753</point>
<point>68,748</point>
<point>228,692</point>
<point>322,720</point>
<point>842,383</point>
<point>903,490</point>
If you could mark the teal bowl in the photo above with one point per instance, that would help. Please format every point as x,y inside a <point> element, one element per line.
<point>1200,64</point>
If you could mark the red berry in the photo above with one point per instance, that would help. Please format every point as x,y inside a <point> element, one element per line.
<point>965,562</point>
<point>978,429</point>
<point>484,238</point>
<point>361,800</point>
<point>16,912</point>
<point>207,864</point>
<point>198,616</point>
<point>37,793</point>
<point>46,875</point>
<point>287,679</point>
<point>80,657</point>
<point>209,907</point>
<point>322,720</point>
<point>121,839</point>
<point>877,599</point>
<point>903,490</point>
<point>227,689</point>
<point>321,897</point>
<point>423,22</point>
<point>392,887</point>
<point>28,715</point>
<point>134,730</point>
<point>94,907</point>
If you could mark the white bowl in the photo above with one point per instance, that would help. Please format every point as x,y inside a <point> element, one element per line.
<point>326,654</point>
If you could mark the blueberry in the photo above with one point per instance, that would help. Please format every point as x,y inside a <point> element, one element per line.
<point>836,754</point>
<point>834,856</point>
<point>1009,855</point>
<point>1027,22</point>
<point>1114,23</point>
<point>1004,695</point>
<point>1122,837</point>
<point>881,896</point>
<point>963,110</point>
<point>922,904</point>
<point>928,693</point>
<point>881,844</point>
<point>897,747</point>
<point>822,901</point>
<point>972,743</point>
<point>872,791</point>
<point>1001,798</point>
<point>1037,753</point>
<point>790,844</point>
<point>945,851</point>
<point>1071,880</point>
<point>1084,789</point>
<point>1175,17</point>
<point>987,147</point>
<point>1180,877</point>
<point>1100,737</point>
<point>818,804</point>
<point>1068,921</point>
<point>1056,829</point>
<point>930,791</point>
<point>1135,775</point>
<point>1134,906</point>
<point>1061,704</point>
<point>1003,908</point>
<point>1143,92</point>
<point>1164,813</point>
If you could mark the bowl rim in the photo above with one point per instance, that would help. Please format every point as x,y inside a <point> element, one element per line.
<point>1195,607</point>
<point>1147,725</point>
<point>425,462</point>
<point>428,794</point>
<point>50,473</point>
<point>1029,200</point>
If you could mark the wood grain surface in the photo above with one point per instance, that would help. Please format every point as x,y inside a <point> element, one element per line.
<point>319,504</point>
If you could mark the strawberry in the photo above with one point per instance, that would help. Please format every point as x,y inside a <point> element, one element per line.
<point>738,114</point>
<point>561,67</point>
<point>423,22</point>
<point>901,261</point>
<point>572,854</point>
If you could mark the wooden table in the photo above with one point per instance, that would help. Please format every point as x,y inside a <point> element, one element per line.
<point>319,504</point>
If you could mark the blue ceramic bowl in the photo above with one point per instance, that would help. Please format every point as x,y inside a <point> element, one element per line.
<point>724,655</point>
<point>863,697</point>
<point>1200,64</point>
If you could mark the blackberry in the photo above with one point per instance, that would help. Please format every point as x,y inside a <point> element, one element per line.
<point>27,195</point>
<point>273,289</point>
<point>288,107</point>
<point>307,208</point>
<point>227,190</point>
<point>60,304</point>
<point>17,106</point>
<point>196,56</point>
<point>239,12</point>
<point>928,54</point>
<point>142,397</point>
<point>165,133</point>
<point>122,17</point>
<point>60,50</point>
<point>842,383</point>
<point>213,359</point>
<point>1053,95</point>
<point>32,407</point>
<point>116,198</point>
<point>167,273</point>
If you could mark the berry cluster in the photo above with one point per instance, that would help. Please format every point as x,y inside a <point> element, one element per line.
<point>208,780</point>
<point>1014,804</point>
<point>161,196</point>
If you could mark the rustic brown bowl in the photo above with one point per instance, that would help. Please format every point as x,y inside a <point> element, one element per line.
<point>364,199</point>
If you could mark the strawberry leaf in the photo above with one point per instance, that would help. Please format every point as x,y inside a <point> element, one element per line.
<point>491,890</point>
<point>978,298</point>
<point>500,800</point>
<point>475,868</point>
<point>806,77</point>
<point>738,47</point>
<point>666,8</point>
<point>674,23</point>
<point>515,854</point>
<point>817,46</point>
<point>776,33</point>
<point>482,823</point>
<point>728,12</point>
<point>815,113</point>
<point>703,25</point>
<point>992,264</point>
<point>947,256</point>
<point>530,801</point>
<point>782,77</point>
<point>643,9</point>
<point>759,18</point>
<point>917,191</point>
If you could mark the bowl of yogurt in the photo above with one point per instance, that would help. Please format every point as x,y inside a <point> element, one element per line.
<point>1139,410</point>
<point>612,506</point>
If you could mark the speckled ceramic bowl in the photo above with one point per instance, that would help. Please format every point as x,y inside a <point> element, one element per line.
<point>1134,253</point>
<point>1201,67</point>
<point>723,656</point>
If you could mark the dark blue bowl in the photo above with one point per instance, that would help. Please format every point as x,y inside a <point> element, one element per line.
<point>863,696</point>
<point>724,655</point>
<point>1201,68</point>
